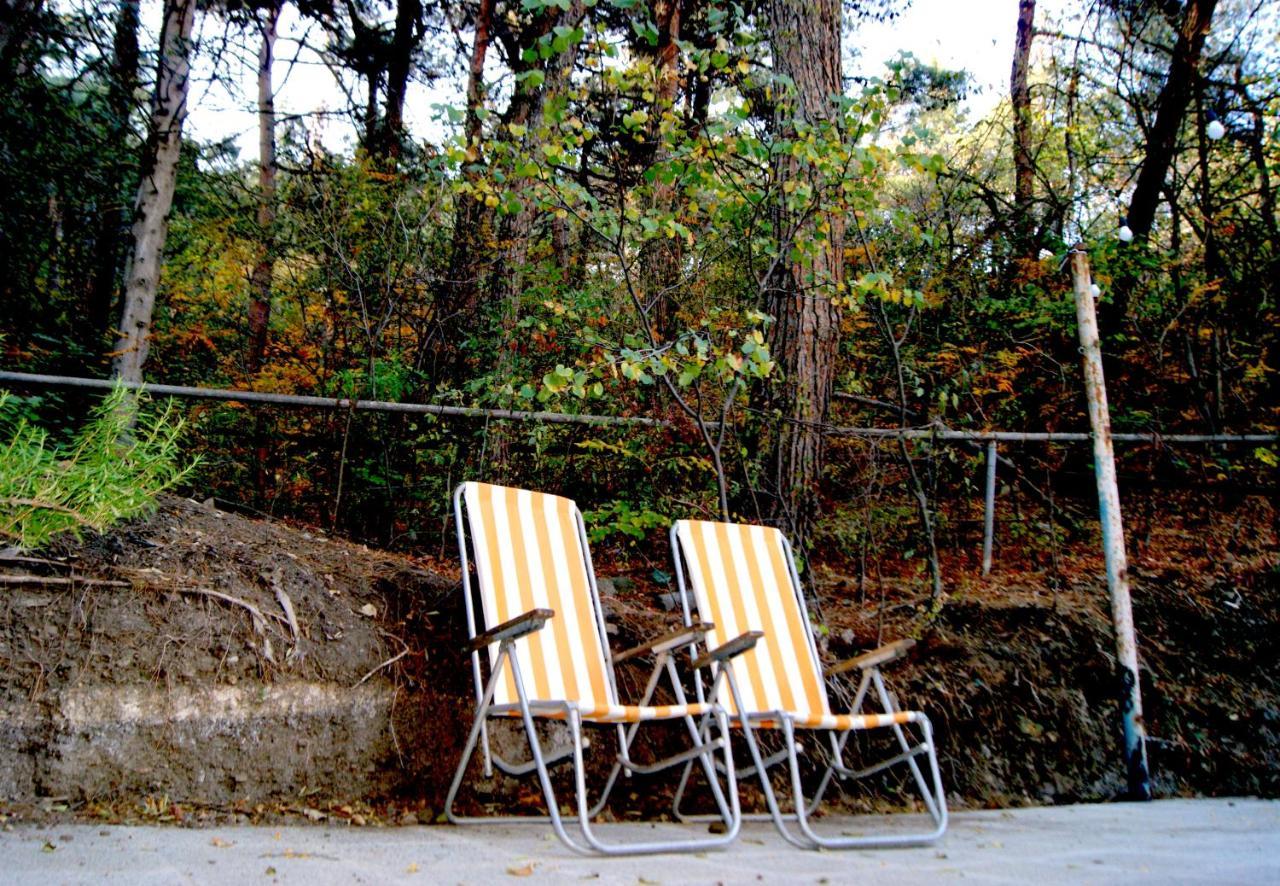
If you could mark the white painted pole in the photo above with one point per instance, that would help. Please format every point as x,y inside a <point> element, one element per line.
<point>989,511</point>
<point>1104,467</point>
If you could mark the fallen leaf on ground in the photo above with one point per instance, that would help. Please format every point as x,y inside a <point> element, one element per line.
<point>221,843</point>
<point>523,871</point>
<point>412,869</point>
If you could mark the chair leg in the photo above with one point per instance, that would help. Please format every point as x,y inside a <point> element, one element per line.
<point>482,711</point>
<point>934,800</point>
<point>584,820</point>
<point>936,809</point>
<point>701,734</point>
<point>758,762</point>
<point>592,843</point>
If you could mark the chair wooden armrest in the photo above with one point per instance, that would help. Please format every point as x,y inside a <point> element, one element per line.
<point>876,657</point>
<point>531,621</point>
<point>734,647</point>
<point>679,637</point>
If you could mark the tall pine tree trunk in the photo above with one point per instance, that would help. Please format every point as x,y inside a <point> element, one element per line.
<point>1023,163</point>
<point>159,170</point>
<point>404,43</point>
<point>805,39</point>
<point>660,258</point>
<point>1171,108</point>
<point>260,282</point>
<point>1162,143</point>
<point>456,301</point>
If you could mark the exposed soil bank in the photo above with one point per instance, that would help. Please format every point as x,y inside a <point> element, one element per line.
<point>214,659</point>
<point>219,661</point>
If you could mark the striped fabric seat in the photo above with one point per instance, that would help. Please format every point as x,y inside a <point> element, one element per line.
<point>741,579</point>
<point>539,628</point>
<point>528,556</point>
<point>741,582</point>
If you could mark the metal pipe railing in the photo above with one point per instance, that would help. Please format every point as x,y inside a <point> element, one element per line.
<point>299,401</point>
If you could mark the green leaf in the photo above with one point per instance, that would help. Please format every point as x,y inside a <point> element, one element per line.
<point>531,79</point>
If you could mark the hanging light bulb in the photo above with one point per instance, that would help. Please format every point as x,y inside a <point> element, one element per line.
<point>1125,233</point>
<point>1215,130</point>
<point>1095,290</point>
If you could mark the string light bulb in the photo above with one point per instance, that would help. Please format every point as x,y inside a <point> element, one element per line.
<point>1214,129</point>
<point>1095,290</point>
<point>1125,233</point>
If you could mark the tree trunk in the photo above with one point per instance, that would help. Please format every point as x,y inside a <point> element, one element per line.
<point>1171,108</point>
<point>404,42</point>
<point>1023,163</point>
<point>805,39</point>
<point>506,278</point>
<point>1213,268</point>
<point>18,20</point>
<point>456,302</point>
<point>260,283</point>
<point>1162,142</point>
<point>660,257</point>
<point>108,239</point>
<point>159,168</point>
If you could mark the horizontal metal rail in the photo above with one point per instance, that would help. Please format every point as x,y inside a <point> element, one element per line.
<point>298,401</point>
<point>337,403</point>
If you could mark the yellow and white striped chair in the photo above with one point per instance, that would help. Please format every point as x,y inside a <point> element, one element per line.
<point>547,657</point>
<point>743,580</point>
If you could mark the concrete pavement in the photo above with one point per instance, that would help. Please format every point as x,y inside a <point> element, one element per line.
<point>1169,841</point>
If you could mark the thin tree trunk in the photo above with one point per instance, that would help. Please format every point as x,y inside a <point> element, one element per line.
<point>1212,252</point>
<point>260,283</point>
<point>108,240</point>
<point>1023,163</point>
<point>159,170</point>
<point>456,303</point>
<point>1258,156</point>
<point>805,38</point>
<point>506,279</point>
<point>660,257</point>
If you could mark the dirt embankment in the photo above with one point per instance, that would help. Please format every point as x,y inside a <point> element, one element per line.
<point>200,659</point>
<point>207,657</point>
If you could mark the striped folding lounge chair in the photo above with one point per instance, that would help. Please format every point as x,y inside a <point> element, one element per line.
<point>742,579</point>
<point>539,651</point>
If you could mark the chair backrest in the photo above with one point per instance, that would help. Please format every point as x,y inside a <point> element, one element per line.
<point>743,580</point>
<point>530,553</point>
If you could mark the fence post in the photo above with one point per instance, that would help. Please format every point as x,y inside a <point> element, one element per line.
<point>989,512</point>
<point>1104,468</point>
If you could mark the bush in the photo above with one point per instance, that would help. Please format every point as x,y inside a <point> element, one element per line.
<point>111,470</point>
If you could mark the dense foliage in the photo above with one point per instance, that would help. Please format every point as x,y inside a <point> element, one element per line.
<point>602,228</point>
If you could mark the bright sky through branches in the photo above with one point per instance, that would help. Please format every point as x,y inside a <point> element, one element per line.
<point>976,35</point>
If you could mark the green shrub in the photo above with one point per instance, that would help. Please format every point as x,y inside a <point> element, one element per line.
<point>111,470</point>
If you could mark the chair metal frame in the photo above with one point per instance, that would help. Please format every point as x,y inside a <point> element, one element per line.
<point>529,710</point>
<point>931,790</point>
